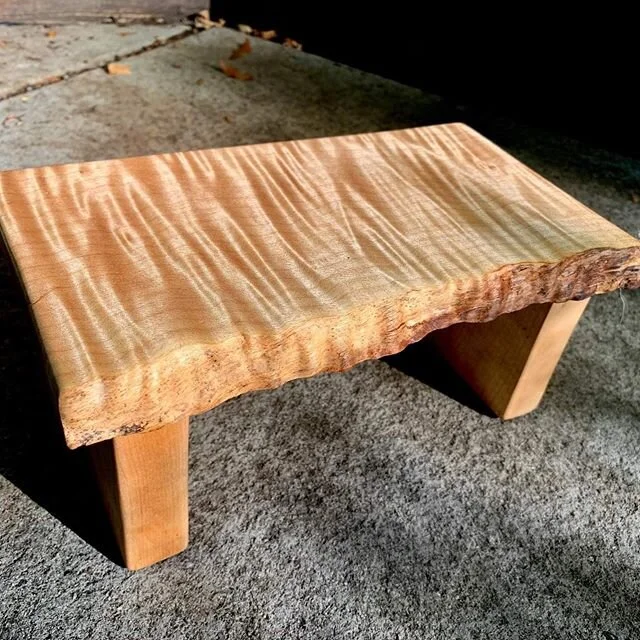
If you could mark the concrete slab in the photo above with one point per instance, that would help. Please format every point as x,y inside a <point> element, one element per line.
<point>176,99</point>
<point>30,55</point>
<point>65,11</point>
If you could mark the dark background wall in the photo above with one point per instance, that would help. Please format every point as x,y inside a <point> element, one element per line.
<point>572,69</point>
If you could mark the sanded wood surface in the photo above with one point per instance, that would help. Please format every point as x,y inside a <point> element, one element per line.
<point>164,285</point>
<point>509,361</point>
<point>144,481</point>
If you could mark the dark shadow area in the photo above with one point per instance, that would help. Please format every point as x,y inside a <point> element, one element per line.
<point>594,393</point>
<point>539,69</point>
<point>424,362</point>
<point>33,454</point>
<point>411,534</point>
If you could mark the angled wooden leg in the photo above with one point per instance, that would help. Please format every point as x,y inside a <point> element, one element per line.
<point>509,361</point>
<point>143,479</point>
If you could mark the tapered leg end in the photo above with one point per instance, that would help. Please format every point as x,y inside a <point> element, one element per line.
<point>144,482</point>
<point>509,361</point>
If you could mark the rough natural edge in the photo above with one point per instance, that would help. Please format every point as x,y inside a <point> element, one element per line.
<point>194,379</point>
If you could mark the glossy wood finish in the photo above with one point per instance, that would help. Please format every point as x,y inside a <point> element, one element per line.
<point>162,286</point>
<point>509,361</point>
<point>144,481</point>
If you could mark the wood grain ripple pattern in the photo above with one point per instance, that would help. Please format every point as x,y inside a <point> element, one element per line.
<point>162,286</point>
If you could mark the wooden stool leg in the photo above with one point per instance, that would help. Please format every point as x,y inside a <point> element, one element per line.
<point>509,361</point>
<point>143,479</point>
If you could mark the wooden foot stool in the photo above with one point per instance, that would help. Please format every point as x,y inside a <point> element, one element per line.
<point>162,286</point>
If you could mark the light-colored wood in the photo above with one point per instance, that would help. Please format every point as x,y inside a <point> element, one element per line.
<point>143,479</point>
<point>162,286</point>
<point>509,361</point>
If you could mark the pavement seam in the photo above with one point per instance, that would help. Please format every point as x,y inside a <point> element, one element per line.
<point>55,79</point>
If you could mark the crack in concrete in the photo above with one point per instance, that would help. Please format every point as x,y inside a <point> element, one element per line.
<point>55,79</point>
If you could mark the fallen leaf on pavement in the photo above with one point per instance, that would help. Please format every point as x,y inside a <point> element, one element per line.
<point>241,50</point>
<point>118,69</point>
<point>199,81</point>
<point>51,33</point>
<point>268,35</point>
<point>290,43</point>
<point>12,121</point>
<point>48,80</point>
<point>203,21</point>
<point>232,72</point>
<point>246,29</point>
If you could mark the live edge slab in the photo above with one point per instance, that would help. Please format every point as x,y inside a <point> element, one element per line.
<point>162,286</point>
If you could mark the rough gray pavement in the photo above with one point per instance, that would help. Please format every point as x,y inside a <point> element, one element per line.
<point>176,99</point>
<point>358,505</point>
<point>32,55</point>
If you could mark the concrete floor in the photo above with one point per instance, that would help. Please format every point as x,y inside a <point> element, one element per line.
<point>176,98</point>
<point>361,505</point>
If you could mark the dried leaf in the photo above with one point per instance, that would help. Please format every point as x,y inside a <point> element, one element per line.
<point>12,120</point>
<point>199,81</point>
<point>48,80</point>
<point>290,43</point>
<point>203,21</point>
<point>52,33</point>
<point>246,29</point>
<point>268,35</point>
<point>227,119</point>
<point>118,69</point>
<point>233,72</point>
<point>241,50</point>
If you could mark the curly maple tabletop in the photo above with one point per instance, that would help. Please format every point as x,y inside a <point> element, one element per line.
<point>164,285</point>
